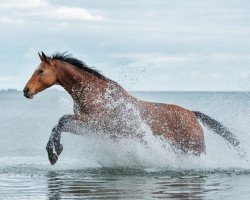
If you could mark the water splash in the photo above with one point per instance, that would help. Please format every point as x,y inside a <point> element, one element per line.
<point>99,150</point>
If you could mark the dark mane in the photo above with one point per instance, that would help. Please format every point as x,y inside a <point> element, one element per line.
<point>67,57</point>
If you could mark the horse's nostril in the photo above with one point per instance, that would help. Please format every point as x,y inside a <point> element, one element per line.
<point>26,93</point>
<point>26,90</point>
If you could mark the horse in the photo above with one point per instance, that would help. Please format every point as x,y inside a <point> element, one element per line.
<point>102,104</point>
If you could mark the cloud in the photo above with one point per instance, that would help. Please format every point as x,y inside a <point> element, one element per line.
<point>67,13</point>
<point>28,11</point>
<point>27,4</point>
<point>189,71</point>
<point>160,60</point>
<point>162,44</point>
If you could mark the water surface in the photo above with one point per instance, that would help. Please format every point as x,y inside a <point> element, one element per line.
<point>95,168</point>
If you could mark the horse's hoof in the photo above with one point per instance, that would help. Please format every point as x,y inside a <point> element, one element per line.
<point>53,158</point>
<point>59,149</point>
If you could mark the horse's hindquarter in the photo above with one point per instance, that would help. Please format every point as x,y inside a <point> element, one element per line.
<point>178,125</point>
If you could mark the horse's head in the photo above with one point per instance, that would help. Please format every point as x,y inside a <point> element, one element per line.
<point>43,77</point>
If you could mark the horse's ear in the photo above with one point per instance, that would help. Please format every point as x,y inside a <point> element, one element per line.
<point>44,57</point>
<point>40,56</point>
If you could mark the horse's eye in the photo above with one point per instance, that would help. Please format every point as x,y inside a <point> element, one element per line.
<point>41,71</point>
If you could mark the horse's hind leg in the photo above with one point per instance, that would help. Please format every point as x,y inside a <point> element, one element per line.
<point>67,123</point>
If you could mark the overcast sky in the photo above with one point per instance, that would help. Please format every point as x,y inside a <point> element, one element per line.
<point>144,44</point>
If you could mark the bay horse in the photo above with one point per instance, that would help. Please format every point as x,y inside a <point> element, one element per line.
<point>100,103</point>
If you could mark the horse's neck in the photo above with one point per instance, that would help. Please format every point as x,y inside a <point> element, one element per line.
<point>86,88</point>
<point>78,82</point>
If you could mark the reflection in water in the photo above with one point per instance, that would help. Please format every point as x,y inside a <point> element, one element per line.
<point>61,187</point>
<point>181,188</point>
<point>54,186</point>
<point>81,184</point>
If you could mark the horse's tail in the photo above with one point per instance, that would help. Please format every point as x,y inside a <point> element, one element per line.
<point>223,131</point>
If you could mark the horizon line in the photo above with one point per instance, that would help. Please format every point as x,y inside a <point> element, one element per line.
<point>59,90</point>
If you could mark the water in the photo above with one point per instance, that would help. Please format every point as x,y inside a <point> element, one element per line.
<point>91,167</point>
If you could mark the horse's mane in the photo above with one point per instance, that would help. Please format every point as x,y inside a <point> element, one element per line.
<point>67,57</point>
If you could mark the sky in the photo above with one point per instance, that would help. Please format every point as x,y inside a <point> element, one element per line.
<point>162,45</point>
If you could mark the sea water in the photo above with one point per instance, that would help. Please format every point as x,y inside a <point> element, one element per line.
<point>93,167</point>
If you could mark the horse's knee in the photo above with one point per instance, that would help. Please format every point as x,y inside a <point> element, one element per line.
<point>64,119</point>
<point>62,124</point>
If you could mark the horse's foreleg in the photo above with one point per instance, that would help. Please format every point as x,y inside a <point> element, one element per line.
<point>54,142</point>
<point>67,123</point>
<point>49,147</point>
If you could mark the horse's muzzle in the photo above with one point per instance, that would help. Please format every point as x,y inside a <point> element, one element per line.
<point>27,93</point>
